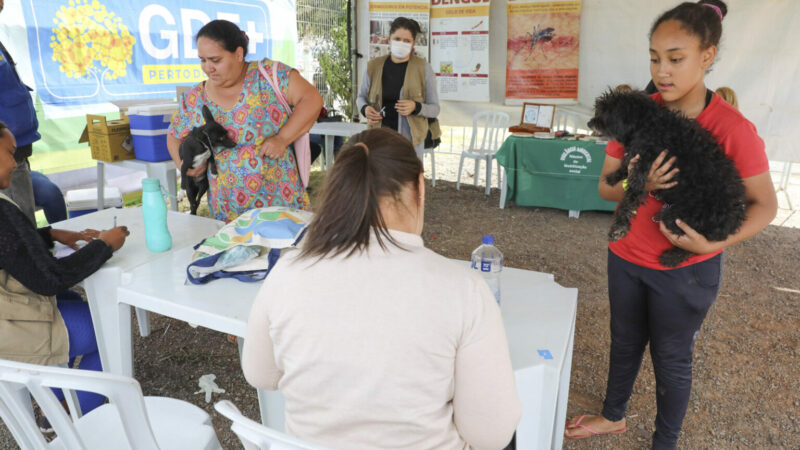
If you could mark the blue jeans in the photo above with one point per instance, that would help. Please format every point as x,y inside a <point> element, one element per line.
<point>82,342</point>
<point>49,197</point>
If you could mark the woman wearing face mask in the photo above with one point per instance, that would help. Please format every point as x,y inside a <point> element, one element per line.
<point>399,89</point>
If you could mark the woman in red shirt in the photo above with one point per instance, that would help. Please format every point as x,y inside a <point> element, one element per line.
<point>649,302</point>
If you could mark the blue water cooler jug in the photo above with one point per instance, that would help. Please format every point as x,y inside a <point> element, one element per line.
<point>154,209</point>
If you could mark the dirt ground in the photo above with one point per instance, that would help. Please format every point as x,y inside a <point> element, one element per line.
<point>747,363</point>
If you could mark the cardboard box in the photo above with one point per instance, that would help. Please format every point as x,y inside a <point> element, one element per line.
<point>109,140</point>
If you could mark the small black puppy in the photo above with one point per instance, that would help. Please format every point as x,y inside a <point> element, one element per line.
<point>195,149</point>
<point>709,196</point>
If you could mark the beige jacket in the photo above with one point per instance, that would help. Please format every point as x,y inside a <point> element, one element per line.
<point>415,87</point>
<point>31,327</point>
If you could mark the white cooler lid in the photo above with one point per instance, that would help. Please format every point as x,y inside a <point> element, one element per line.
<point>80,198</point>
<point>152,110</point>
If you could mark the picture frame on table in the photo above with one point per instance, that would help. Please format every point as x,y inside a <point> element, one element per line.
<point>537,117</point>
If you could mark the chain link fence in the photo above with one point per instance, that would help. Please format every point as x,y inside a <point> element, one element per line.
<point>319,22</point>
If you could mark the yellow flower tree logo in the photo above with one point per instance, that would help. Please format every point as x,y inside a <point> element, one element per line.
<point>86,33</point>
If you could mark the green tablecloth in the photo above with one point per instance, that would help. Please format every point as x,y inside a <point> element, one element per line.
<point>553,173</point>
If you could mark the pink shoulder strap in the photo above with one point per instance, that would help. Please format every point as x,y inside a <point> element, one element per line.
<point>302,148</point>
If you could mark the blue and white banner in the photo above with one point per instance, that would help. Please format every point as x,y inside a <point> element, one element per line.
<point>89,52</point>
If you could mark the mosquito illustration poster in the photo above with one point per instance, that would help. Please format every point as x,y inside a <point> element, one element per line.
<point>542,52</point>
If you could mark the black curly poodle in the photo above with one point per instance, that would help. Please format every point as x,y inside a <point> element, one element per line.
<point>709,195</point>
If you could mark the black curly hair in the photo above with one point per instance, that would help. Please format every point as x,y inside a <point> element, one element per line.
<point>702,19</point>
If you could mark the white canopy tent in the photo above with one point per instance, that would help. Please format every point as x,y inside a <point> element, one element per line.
<point>758,58</point>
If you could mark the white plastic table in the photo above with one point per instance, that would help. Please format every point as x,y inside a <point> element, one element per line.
<point>539,317</point>
<point>331,129</point>
<point>101,286</point>
<point>163,170</point>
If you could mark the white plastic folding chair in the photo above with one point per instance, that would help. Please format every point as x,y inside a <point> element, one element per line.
<point>488,129</point>
<point>128,421</point>
<point>255,436</point>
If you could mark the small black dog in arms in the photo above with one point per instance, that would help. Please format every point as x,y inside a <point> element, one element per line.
<point>709,195</point>
<point>198,147</point>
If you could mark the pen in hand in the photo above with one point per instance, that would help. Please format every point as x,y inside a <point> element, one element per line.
<point>115,221</point>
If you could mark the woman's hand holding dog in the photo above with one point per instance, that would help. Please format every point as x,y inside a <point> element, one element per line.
<point>274,147</point>
<point>691,240</point>
<point>660,176</point>
<point>196,171</point>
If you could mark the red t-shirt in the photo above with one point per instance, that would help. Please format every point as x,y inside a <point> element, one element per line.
<point>738,138</point>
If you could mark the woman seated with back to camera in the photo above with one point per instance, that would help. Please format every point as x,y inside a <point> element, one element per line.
<point>390,344</point>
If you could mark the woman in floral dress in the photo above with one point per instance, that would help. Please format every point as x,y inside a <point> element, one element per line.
<point>261,170</point>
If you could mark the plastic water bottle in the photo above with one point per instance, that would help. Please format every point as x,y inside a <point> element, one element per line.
<point>154,209</point>
<point>488,259</point>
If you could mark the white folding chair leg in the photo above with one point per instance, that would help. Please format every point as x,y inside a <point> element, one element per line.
<point>15,421</point>
<point>499,175</point>
<point>460,166</point>
<point>71,397</point>
<point>488,174</point>
<point>783,185</point>
<point>503,188</point>
<point>475,178</point>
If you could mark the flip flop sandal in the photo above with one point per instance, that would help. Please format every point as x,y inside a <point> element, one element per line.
<point>42,422</point>
<point>591,431</point>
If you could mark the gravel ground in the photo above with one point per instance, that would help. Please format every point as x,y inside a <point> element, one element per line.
<point>746,389</point>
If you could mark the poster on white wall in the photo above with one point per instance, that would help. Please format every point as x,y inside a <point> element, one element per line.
<point>542,52</point>
<point>460,49</point>
<point>381,15</point>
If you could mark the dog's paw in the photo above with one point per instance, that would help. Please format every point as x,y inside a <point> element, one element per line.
<point>673,257</point>
<point>617,232</point>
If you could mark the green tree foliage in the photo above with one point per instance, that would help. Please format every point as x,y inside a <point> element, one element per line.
<point>334,61</point>
<point>324,22</point>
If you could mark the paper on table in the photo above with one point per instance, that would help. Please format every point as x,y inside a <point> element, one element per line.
<point>63,251</point>
<point>545,117</point>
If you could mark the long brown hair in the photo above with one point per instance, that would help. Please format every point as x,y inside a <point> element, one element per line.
<point>373,164</point>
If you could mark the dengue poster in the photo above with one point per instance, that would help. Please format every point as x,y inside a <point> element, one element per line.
<point>542,53</point>
<point>381,15</point>
<point>460,49</point>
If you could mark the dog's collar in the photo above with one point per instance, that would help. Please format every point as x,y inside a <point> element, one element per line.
<point>207,144</point>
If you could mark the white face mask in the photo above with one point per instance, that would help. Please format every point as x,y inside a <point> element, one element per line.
<point>400,49</point>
